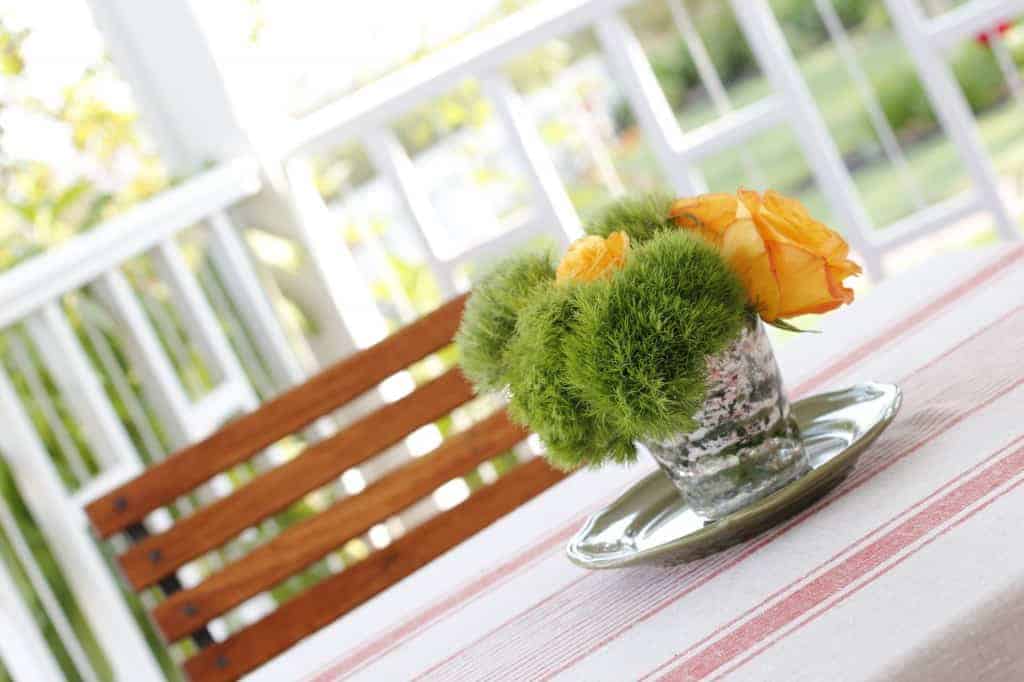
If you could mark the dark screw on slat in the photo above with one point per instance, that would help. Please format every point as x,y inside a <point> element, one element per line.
<point>120,504</point>
<point>222,662</point>
<point>190,610</point>
<point>155,556</point>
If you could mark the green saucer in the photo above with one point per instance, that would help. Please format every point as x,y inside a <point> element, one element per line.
<point>651,523</point>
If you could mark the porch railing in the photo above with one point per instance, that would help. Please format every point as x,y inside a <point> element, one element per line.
<point>153,329</point>
<point>113,353</point>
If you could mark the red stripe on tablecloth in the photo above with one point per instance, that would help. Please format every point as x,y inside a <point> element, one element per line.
<point>592,589</point>
<point>449,605</point>
<point>960,521</point>
<point>939,515</point>
<point>668,587</point>
<point>890,335</point>
<point>955,524</point>
<point>388,640</point>
<point>833,559</point>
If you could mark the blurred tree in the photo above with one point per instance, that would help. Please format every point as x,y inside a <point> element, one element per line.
<point>103,164</point>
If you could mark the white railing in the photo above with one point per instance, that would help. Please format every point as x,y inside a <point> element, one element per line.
<point>23,650</point>
<point>83,396</point>
<point>926,39</point>
<point>365,116</point>
<point>146,333</point>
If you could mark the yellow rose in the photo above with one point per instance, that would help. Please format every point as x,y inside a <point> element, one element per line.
<point>592,257</point>
<point>790,263</point>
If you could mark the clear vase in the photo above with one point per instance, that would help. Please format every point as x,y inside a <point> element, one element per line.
<point>746,445</point>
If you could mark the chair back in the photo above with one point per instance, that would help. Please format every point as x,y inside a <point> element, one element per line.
<point>153,560</point>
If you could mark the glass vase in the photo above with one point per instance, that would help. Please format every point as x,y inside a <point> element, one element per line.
<point>746,444</point>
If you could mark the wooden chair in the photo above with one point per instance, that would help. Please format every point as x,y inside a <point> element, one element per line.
<point>153,559</point>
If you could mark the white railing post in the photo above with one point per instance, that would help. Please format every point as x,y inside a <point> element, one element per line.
<point>160,383</point>
<point>232,259</point>
<point>347,292</point>
<point>923,38</point>
<point>233,394</point>
<point>77,262</point>
<point>22,648</point>
<point>636,77</point>
<point>51,605</point>
<point>64,525</point>
<point>81,388</point>
<point>1004,57</point>
<point>776,60</point>
<point>886,136</point>
<point>710,78</point>
<point>162,52</point>
<point>392,162</point>
<point>548,189</point>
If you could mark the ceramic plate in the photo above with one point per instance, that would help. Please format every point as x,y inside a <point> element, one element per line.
<point>651,524</point>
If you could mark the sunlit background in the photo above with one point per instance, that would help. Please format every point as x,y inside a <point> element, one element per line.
<point>75,152</point>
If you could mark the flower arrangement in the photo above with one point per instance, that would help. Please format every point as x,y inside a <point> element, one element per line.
<point>611,344</point>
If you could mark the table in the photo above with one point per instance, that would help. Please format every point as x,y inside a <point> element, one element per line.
<point>913,569</point>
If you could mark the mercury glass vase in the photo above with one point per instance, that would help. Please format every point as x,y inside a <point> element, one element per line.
<point>746,444</point>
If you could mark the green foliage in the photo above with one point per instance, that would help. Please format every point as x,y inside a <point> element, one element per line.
<point>676,72</point>
<point>623,117</point>
<point>638,348</point>
<point>542,395</point>
<point>903,99</point>
<point>591,367</point>
<point>12,63</point>
<point>489,322</point>
<point>640,217</point>
<point>978,73</point>
<point>463,107</point>
<point>40,205</point>
<point>804,26</point>
<point>906,104</point>
<point>855,12</point>
<point>727,46</point>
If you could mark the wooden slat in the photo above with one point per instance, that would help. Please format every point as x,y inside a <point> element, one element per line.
<point>303,544</point>
<point>341,593</point>
<point>279,417</point>
<point>153,558</point>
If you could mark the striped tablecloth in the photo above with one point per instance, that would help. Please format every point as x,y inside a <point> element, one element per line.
<point>912,569</point>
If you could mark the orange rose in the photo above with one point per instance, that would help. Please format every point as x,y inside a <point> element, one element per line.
<point>790,263</point>
<point>708,215</point>
<point>592,257</point>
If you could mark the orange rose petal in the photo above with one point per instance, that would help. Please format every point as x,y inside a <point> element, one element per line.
<point>708,215</point>
<point>814,309</point>
<point>789,219</point>
<point>746,253</point>
<point>750,200</point>
<point>835,285</point>
<point>844,268</point>
<point>778,228</point>
<point>838,251</point>
<point>803,279</point>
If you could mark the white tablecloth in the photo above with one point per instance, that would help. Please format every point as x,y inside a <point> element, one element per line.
<point>912,569</point>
